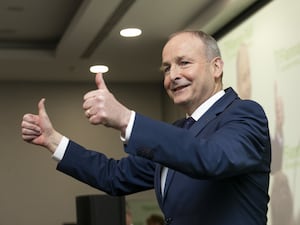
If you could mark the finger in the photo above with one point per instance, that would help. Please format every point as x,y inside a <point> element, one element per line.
<point>100,81</point>
<point>88,113</point>
<point>28,138</point>
<point>30,132</point>
<point>90,94</point>
<point>88,101</point>
<point>30,118</point>
<point>26,126</point>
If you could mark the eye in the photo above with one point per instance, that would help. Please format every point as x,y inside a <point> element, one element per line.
<point>184,63</point>
<point>165,69</point>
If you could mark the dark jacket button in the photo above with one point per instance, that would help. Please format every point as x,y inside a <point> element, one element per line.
<point>168,221</point>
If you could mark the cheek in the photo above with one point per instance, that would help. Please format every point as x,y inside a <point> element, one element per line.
<point>166,83</point>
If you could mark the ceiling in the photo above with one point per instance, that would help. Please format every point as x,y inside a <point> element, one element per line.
<point>57,40</point>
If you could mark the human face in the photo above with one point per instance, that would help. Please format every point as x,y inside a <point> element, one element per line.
<point>189,78</point>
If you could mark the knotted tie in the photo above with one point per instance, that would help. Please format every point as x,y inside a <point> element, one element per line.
<point>188,123</point>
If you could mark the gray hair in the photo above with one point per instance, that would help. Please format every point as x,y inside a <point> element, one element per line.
<point>210,44</point>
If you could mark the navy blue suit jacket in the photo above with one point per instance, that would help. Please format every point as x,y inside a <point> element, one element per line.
<point>219,168</point>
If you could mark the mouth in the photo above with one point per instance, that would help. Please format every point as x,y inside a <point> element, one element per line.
<point>179,88</point>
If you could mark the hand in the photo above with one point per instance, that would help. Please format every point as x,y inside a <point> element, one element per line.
<point>101,107</point>
<point>38,130</point>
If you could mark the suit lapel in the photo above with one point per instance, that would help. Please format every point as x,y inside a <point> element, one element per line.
<point>214,111</point>
<point>197,127</point>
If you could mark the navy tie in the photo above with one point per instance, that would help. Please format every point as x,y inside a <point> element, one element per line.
<point>188,123</point>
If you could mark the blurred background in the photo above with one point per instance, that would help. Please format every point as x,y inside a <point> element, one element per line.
<point>47,47</point>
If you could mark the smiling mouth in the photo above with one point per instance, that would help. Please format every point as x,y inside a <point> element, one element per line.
<point>179,88</point>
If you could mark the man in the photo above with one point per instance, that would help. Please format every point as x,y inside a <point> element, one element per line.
<point>215,172</point>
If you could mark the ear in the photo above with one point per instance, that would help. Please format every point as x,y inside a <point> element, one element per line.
<point>217,67</point>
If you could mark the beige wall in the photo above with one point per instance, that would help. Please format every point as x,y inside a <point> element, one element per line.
<point>32,191</point>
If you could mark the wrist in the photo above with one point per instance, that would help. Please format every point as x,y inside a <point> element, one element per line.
<point>54,141</point>
<point>125,121</point>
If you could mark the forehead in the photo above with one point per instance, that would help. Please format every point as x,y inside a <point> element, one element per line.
<point>183,44</point>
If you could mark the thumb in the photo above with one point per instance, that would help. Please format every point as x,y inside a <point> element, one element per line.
<point>41,108</point>
<point>100,81</point>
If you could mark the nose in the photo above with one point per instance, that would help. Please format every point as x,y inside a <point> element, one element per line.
<point>174,72</point>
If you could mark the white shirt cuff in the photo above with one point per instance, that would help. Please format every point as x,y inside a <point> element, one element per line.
<point>61,149</point>
<point>129,128</point>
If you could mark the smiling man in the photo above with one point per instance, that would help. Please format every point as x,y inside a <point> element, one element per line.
<point>214,172</point>
<point>193,72</point>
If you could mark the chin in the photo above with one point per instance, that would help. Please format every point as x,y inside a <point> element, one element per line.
<point>179,101</point>
<point>181,96</point>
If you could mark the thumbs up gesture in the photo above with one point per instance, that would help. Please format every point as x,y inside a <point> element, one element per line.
<point>38,130</point>
<point>101,107</point>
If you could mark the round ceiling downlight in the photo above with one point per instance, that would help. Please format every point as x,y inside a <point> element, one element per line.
<point>99,69</point>
<point>131,32</point>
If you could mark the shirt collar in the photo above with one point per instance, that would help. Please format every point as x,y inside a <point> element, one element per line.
<point>206,105</point>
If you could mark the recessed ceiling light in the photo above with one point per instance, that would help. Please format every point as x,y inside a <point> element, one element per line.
<point>131,32</point>
<point>98,69</point>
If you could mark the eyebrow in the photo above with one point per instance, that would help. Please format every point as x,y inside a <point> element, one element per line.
<point>164,65</point>
<point>177,59</point>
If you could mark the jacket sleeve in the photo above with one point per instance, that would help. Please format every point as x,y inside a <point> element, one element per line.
<point>115,177</point>
<point>234,142</point>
